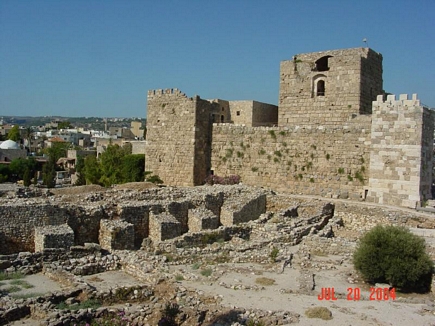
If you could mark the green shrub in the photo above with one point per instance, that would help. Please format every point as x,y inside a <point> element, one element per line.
<point>390,254</point>
<point>272,134</point>
<point>274,254</point>
<point>206,272</point>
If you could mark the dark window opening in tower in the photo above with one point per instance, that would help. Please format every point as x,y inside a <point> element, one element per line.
<point>321,88</point>
<point>322,64</point>
<point>222,118</point>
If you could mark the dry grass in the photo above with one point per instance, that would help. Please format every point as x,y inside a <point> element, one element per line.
<point>265,281</point>
<point>319,312</point>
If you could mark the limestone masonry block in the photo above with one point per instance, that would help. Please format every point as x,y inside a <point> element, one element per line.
<point>202,219</point>
<point>164,226</point>
<point>116,235</point>
<point>53,236</point>
<point>240,210</point>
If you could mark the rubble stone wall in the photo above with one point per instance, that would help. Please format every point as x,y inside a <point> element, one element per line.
<point>321,160</point>
<point>53,236</point>
<point>116,235</point>
<point>235,212</point>
<point>18,223</point>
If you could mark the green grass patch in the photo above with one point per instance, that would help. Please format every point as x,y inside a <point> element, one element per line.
<point>179,277</point>
<point>12,289</point>
<point>196,266</point>
<point>206,272</point>
<point>11,276</point>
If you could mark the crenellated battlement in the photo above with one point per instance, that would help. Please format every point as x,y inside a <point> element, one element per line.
<point>166,92</point>
<point>402,101</point>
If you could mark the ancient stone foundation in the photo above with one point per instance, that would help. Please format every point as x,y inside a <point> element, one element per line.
<point>53,236</point>
<point>116,235</point>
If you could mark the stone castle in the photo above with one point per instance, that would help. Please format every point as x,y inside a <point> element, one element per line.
<point>334,133</point>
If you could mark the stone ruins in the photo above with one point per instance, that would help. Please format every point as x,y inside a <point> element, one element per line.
<point>335,133</point>
<point>142,248</point>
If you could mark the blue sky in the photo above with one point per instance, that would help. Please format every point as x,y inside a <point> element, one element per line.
<point>99,58</point>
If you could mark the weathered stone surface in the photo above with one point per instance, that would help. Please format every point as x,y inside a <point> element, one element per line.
<point>53,236</point>
<point>116,235</point>
<point>202,219</point>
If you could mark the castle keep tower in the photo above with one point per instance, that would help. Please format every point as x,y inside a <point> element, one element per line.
<point>178,137</point>
<point>330,87</point>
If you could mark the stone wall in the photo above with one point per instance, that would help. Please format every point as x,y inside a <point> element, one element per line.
<point>53,236</point>
<point>253,114</point>
<point>116,235</point>
<point>324,160</point>
<point>18,223</point>
<point>177,137</point>
<point>330,87</point>
<point>236,211</point>
<point>401,151</point>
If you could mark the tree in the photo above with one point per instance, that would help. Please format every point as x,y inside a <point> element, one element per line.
<point>5,173</point>
<point>92,170</point>
<point>49,173</point>
<point>80,171</point>
<point>14,133</point>
<point>19,166</point>
<point>394,255</point>
<point>133,167</point>
<point>27,178</point>
<point>111,164</point>
<point>57,150</point>
<point>64,125</point>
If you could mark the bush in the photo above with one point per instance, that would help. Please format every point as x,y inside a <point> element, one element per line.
<point>390,254</point>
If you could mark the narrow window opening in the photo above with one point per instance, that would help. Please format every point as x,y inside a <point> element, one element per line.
<point>222,118</point>
<point>321,88</point>
<point>238,112</point>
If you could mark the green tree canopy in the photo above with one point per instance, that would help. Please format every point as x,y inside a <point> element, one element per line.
<point>133,167</point>
<point>57,150</point>
<point>111,164</point>
<point>64,125</point>
<point>19,166</point>
<point>393,254</point>
<point>14,133</point>
<point>92,171</point>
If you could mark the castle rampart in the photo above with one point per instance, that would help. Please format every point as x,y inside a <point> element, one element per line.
<point>335,135</point>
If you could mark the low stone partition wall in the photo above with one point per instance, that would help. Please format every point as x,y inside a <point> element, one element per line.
<point>244,209</point>
<point>202,219</point>
<point>163,226</point>
<point>116,235</point>
<point>79,260</point>
<point>53,236</point>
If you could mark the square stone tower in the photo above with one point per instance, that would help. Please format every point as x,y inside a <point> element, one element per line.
<point>330,87</point>
<point>178,137</point>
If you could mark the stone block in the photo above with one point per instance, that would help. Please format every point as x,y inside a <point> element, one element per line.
<point>240,210</point>
<point>116,235</point>
<point>202,219</point>
<point>164,226</point>
<point>53,236</point>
